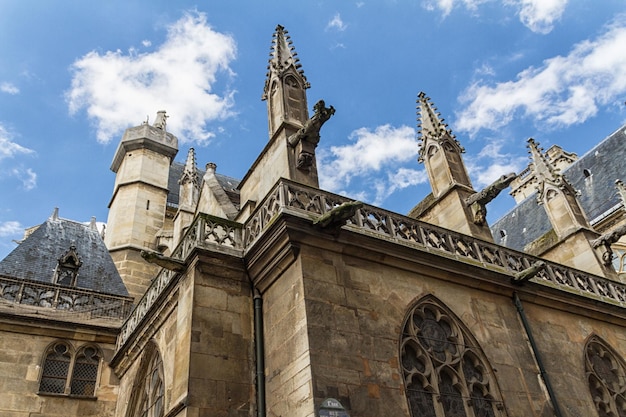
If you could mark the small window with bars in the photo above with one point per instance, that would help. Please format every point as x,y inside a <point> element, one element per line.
<point>60,362</point>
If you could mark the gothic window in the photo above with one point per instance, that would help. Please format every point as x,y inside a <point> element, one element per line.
<point>445,372</point>
<point>606,375</point>
<point>147,397</point>
<point>85,372</point>
<point>60,362</point>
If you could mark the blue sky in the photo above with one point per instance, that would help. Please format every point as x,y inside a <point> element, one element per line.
<point>75,74</point>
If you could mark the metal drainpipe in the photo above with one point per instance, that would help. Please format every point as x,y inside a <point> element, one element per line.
<point>260,353</point>
<point>533,346</point>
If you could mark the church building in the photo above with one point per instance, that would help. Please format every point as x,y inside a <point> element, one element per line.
<point>268,296</point>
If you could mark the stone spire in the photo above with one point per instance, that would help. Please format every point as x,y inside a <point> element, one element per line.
<point>285,85</point>
<point>454,204</point>
<point>574,241</point>
<point>189,182</point>
<point>556,193</point>
<point>439,150</point>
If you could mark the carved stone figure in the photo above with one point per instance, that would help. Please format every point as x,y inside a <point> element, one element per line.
<point>528,273</point>
<point>309,135</point>
<point>478,201</point>
<point>339,215</point>
<point>166,262</point>
<point>607,240</point>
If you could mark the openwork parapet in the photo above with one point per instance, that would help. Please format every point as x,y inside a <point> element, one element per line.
<point>207,232</point>
<point>301,200</point>
<point>59,297</point>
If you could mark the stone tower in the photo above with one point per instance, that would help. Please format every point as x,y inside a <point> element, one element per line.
<point>293,136</point>
<point>440,152</point>
<point>137,208</point>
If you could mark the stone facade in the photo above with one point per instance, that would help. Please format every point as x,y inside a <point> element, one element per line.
<point>269,296</point>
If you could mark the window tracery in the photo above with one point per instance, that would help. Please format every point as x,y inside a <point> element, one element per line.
<point>148,392</point>
<point>60,362</point>
<point>445,371</point>
<point>606,375</point>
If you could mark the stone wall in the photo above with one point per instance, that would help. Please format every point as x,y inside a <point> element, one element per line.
<point>21,357</point>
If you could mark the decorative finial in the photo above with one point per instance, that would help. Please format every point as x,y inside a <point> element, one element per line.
<point>161,120</point>
<point>431,125</point>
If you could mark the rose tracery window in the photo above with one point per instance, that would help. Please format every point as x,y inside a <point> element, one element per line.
<point>445,371</point>
<point>606,375</point>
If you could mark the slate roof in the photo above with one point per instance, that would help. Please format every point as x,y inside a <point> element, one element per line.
<point>594,175</point>
<point>229,184</point>
<point>36,258</point>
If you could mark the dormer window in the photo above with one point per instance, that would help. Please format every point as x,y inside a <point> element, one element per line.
<point>586,173</point>
<point>67,268</point>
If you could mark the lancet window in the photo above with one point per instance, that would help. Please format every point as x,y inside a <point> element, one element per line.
<point>445,372</point>
<point>65,372</point>
<point>148,391</point>
<point>606,374</point>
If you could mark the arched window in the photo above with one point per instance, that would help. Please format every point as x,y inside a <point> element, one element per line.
<point>148,390</point>
<point>60,362</point>
<point>445,372</point>
<point>606,374</point>
<point>85,371</point>
<point>56,367</point>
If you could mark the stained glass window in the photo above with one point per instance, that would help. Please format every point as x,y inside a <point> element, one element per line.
<point>606,374</point>
<point>445,372</point>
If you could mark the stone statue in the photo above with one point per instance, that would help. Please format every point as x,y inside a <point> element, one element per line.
<point>166,262</point>
<point>338,216</point>
<point>309,135</point>
<point>478,201</point>
<point>161,120</point>
<point>607,240</point>
<point>528,273</point>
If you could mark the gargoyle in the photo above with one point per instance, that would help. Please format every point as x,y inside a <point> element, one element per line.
<point>338,216</point>
<point>528,273</point>
<point>309,135</point>
<point>166,262</point>
<point>607,240</point>
<point>478,201</point>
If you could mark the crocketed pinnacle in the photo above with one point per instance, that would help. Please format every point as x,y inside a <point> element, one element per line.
<point>282,56</point>
<point>431,126</point>
<point>621,191</point>
<point>190,172</point>
<point>545,172</point>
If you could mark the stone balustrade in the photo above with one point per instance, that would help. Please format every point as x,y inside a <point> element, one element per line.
<point>31,293</point>
<point>213,233</point>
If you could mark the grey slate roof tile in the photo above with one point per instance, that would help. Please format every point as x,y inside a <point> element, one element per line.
<point>594,175</point>
<point>36,258</point>
<point>229,184</point>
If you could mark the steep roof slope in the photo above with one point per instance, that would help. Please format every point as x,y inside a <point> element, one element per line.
<point>37,257</point>
<point>176,171</point>
<point>594,175</point>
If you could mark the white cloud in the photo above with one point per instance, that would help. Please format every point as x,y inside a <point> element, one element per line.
<point>565,90</point>
<point>490,164</point>
<point>537,15</point>
<point>146,43</point>
<point>117,90</point>
<point>10,228</point>
<point>336,23</point>
<point>371,152</point>
<point>9,88</point>
<point>8,148</point>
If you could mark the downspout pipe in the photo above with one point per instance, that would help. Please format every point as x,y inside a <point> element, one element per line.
<point>259,341</point>
<point>533,346</point>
